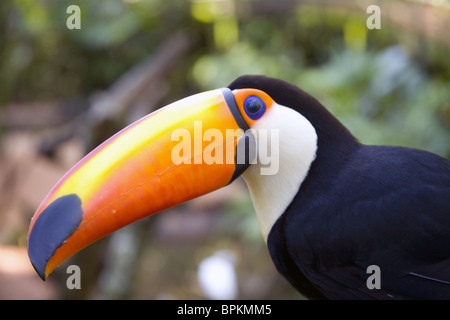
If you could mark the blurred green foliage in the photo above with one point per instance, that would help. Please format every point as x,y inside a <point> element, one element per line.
<point>388,86</point>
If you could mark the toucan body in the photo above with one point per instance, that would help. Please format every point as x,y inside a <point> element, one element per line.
<point>330,210</point>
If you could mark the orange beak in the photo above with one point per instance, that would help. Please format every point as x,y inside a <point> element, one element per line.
<point>175,154</point>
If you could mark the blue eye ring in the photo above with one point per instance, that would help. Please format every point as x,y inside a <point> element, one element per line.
<point>254,107</point>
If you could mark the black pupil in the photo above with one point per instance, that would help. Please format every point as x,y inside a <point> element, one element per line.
<point>253,105</point>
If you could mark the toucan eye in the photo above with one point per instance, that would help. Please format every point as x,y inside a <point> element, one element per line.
<point>254,107</point>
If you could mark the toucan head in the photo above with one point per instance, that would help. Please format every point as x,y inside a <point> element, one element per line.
<point>179,152</point>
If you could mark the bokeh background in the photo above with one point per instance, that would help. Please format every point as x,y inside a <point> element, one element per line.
<point>62,92</point>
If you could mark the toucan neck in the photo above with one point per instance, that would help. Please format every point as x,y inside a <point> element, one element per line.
<point>273,191</point>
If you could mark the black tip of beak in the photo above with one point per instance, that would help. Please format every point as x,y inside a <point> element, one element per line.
<point>53,226</point>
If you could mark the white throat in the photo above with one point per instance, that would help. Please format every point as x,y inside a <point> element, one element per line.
<point>295,141</point>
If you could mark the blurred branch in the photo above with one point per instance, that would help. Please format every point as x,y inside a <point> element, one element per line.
<point>143,85</point>
<point>136,82</point>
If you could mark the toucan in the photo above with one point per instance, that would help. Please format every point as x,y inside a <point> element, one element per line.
<point>341,220</point>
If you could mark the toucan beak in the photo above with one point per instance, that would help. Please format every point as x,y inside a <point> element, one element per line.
<point>174,154</point>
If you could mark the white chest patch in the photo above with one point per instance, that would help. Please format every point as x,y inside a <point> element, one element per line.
<point>284,158</point>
